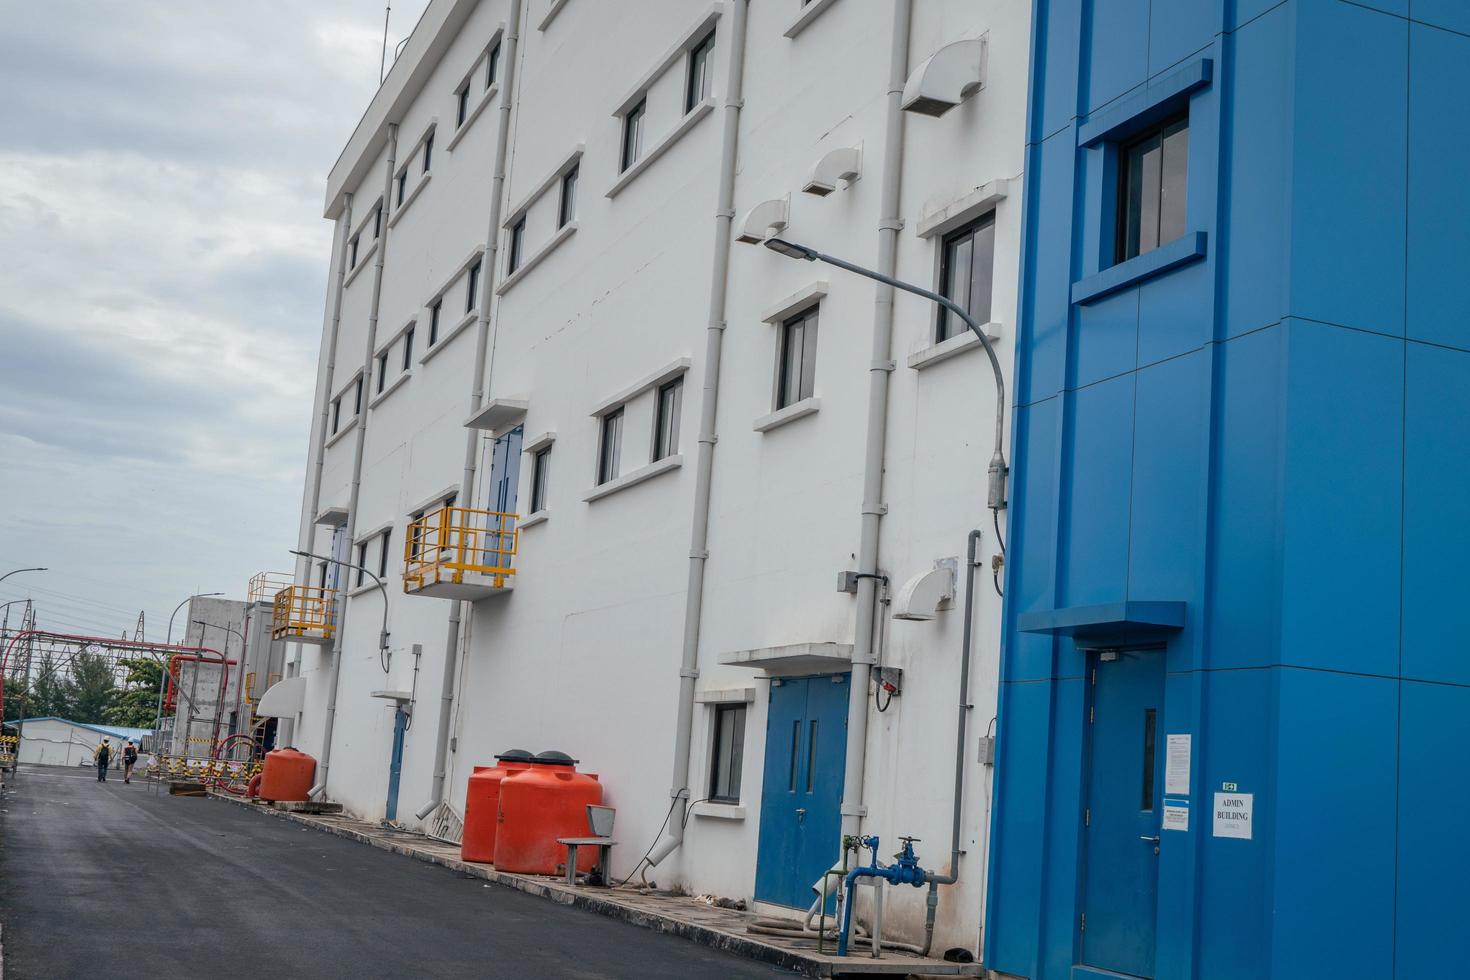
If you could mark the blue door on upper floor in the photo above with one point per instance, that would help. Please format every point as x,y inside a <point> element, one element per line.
<point>1124,811</point>
<point>801,796</point>
<point>504,486</point>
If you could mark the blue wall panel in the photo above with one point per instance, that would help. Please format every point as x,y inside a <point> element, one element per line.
<point>1348,181</point>
<point>1451,14</point>
<point>1119,28</point>
<point>1342,495</point>
<point>1436,526</point>
<point>1042,348</point>
<point>1031,565</point>
<point>1056,43</point>
<point>1439,194</point>
<point>1096,488</point>
<point>1180,28</point>
<point>1107,338</point>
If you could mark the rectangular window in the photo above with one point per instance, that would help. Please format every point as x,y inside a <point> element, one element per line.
<point>336,414</point>
<point>382,371</point>
<point>321,574</point>
<point>966,266</point>
<point>492,65</point>
<point>1150,726</point>
<point>633,134</point>
<point>402,186</point>
<point>472,288</point>
<point>434,321</point>
<point>462,105</point>
<point>407,348</point>
<point>383,553</point>
<point>726,753</point>
<point>567,211</point>
<point>697,85</point>
<point>377,221</point>
<point>795,745</point>
<point>666,419</point>
<point>416,535</point>
<point>610,446</point>
<point>540,472</point>
<point>353,263</point>
<point>428,152</point>
<point>357,397</point>
<point>798,359</point>
<point>517,240</point>
<point>361,563</point>
<point>1152,172</point>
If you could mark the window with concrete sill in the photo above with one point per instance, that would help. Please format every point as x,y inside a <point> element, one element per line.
<point>792,412</point>
<point>952,347</point>
<point>471,112</point>
<point>534,518</point>
<point>530,262</point>
<point>445,336</point>
<point>645,161</point>
<point>362,263</point>
<point>634,478</point>
<point>389,388</point>
<point>413,195</point>
<point>809,11</point>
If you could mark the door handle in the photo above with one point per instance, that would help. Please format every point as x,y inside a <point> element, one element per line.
<point>801,813</point>
<point>1151,840</point>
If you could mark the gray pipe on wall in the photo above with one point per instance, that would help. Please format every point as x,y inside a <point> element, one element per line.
<point>313,500</point>
<point>704,467</point>
<point>359,441</point>
<point>477,397</point>
<point>879,371</point>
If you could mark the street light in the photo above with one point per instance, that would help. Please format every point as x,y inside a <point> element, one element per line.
<point>382,587</point>
<point>198,595</point>
<point>996,489</point>
<point>19,570</point>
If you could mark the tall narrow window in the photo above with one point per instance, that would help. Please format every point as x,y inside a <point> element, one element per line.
<point>610,446</point>
<point>472,288</point>
<point>1152,172</point>
<point>540,473</point>
<point>402,183</point>
<point>726,755</point>
<point>407,348</point>
<point>357,397</point>
<point>666,419</point>
<point>1150,726</point>
<point>966,268</point>
<point>416,535</point>
<point>382,371</point>
<point>517,242</point>
<point>633,134</point>
<point>567,211</point>
<point>798,359</point>
<point>377,221</point>
<point>353,262</point>
<point>462,105</point>
<point>383,540</point>
<point>795,757</point>
<point>811,755</point>
<point>321,576</point>
<point>697,85</point>
<point>434,312</point>
<point>492,64</point>
<point>336,414</point>
<point>428,152</point>
<point>361,563</point>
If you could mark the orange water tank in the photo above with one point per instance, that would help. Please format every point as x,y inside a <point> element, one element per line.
<point>537,806</point>
<point>482,804</point>
<point>286,775</point>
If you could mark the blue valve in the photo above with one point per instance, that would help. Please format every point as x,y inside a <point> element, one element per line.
<point>905,871</point>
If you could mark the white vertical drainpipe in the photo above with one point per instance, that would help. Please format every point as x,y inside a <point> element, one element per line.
<point>359,441</point>
<point>714,341</point>
<point>314,494</point>
<point>879,372</point>
<point>457,609</point>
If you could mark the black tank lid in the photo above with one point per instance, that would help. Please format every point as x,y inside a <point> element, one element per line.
<point>555,758</point>
<point>515,755</point>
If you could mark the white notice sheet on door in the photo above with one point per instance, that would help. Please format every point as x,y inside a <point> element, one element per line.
<point>1176,766</point>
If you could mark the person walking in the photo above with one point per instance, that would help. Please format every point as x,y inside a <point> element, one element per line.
<point>102,755</point>
<point>130,759</point>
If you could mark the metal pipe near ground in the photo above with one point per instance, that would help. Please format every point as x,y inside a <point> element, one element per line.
<point>455,626</point>
<point>704,466</point>
<point>359,441</point>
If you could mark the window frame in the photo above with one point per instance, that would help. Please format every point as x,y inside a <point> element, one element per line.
<point>609,444</point>
<point>698,77</point>
<point>353,246</point>
<point>428,152</point>
<point>739,712</point>
<point>357,397</point>
<point>1171,125</point>
<point>401,186</point>
<point>472,287</point>
<point>540,474</point>
<point>633,125</point>
<point>361,556</point>
<point>382,371</point>
<point>384,539</point>
<point>807,364</point>
<point>408,347</point>
<point>336,415</point>
<point>462,105</point>
<point>516,246</point>
<point>946,325</point>
<point>665,441</point>
<point>436,310</point>
<point>378,221</point>
<point>492,65</point>
<point>566,208</point>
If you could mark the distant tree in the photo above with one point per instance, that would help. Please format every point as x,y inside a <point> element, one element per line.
<point>91,688</point>
<point>50,694</point>
<point>135,704</point>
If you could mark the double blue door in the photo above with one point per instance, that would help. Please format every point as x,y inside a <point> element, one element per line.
<point>801,799</point>
<point>1124,812</point>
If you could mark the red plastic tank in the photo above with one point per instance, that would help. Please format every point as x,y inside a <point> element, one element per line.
<point>286,775</point>
<point>537,806</point>
<point>482,804</point>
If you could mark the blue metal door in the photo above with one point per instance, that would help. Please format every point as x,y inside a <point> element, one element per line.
<point>1124,811</point>
<point>801,797</point>
<point>505,471</point>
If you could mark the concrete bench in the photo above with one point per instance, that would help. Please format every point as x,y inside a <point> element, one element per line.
<point>604,847</point>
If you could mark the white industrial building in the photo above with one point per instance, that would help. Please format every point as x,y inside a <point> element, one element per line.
<point>731,469</point>
<point>52,741</point>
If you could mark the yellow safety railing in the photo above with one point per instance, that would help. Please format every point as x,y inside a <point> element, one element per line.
<point>451,541</point>
<point>304,612</point>
<point>264,586</point>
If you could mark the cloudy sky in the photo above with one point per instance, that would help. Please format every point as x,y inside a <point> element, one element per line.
<point>163,266</point>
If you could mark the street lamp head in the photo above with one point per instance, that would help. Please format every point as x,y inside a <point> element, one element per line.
<point>790,249</point>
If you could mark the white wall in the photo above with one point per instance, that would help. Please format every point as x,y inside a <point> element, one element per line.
<point>583,654</point>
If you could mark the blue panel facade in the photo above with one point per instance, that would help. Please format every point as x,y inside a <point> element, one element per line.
<point>1264,418</point>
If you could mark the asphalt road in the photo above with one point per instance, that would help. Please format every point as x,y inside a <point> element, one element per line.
<point>111,881</point>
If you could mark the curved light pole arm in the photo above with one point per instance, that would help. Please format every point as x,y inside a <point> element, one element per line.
<point>996,490</point>
<point>19,570</point>
<point>382,587</point>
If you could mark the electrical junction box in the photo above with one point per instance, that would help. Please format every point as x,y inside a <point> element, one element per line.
<point>987,750</point>
<point>890,680</point>
<point>847,582</point>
